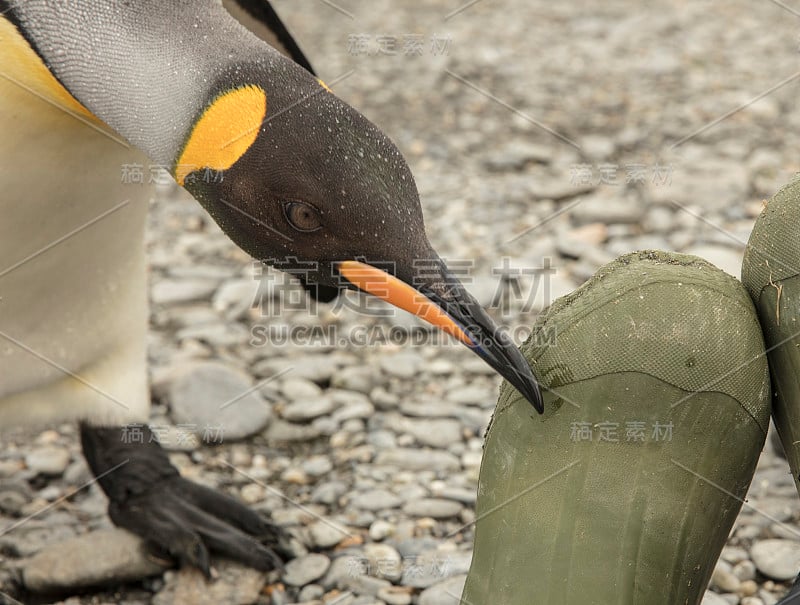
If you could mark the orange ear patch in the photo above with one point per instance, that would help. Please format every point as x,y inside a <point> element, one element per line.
<point>225,131</point>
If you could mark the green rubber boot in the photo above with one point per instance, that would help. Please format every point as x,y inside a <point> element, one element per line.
<point>771,273</point>
<point>625,490</point>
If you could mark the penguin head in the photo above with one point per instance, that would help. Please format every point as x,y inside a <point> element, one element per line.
<point>313,188</point>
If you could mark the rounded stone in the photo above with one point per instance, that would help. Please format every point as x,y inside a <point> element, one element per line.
<point>712,598</point>
<point>395,595</point>
<point>306,569</point>
<point>377,499</point>
<point>724,579</point>
<point>381,529</point>
<point>297,389</point>
<point>437,508</point>
<point>48,460</point>
<point>326,534</point>
<point>384,561</point>
<point>305,410</point>
<point>444,593</point>
<point>777,559</point>
<point>211,396</point>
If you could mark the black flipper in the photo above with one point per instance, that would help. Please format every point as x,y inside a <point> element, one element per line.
<point>259,17</point>
<point>176,518</point>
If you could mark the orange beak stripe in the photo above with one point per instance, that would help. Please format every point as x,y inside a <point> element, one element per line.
<point>387,287</point>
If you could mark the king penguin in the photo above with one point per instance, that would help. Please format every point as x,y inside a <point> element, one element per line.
<point>88,86</point>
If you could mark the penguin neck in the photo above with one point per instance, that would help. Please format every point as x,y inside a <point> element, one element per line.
<point>147,68</point>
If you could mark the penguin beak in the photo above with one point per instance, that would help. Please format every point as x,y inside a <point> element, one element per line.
<point>443,301</point>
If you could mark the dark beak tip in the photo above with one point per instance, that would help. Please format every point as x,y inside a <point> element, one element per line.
<point>533,394</point>
<point>538,404</point>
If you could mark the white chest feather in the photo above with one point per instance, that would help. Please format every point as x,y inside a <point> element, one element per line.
<point>72,276</point>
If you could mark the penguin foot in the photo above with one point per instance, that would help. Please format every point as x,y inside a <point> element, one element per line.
<point>178,519</point>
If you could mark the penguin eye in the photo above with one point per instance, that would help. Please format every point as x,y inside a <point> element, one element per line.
<point>302,216</point>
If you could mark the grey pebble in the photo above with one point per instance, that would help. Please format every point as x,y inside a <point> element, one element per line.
<point>349,572</point>
<point>326,534</point>
<point>325,425</point>
<point>432,507</point>
<point>89,560</point>
<point>14,496</point>
<point>358,409</point>
<point>734,554</point>
<point>381,529</point>
<point>319,368</point>
<point>748,532</point>
<point>300,389</point>
<point>216,334</point>
<point>282,431</point>
<point>724,578</point>
<point>235,584</point>
<point>473,395</point>
<point>355,378</point>
<point>659,219</point>
<point>383,399</point>
<point>609,208</point>
<point>78,473</point>
<point>9,468</point>
<point>312,592</point>
<point>212,394</point>
<point>418,459</point>
<point>317,466</point>
<point>432,566</point>
<point>402,365</point>
<point>413,491</point>
<point>384,561</point>
<point>459,494</point>
<point>597,147</point>
<point>395,595</point>
<point>329,492</point>
<point>171,291</point>
<point>429,409</point>
<point>786,531</point>
<point>341,568</point>
<point>36,535</point>
<point>447,592</point>
<point>767,598</point>
<point>440,367</point>
<point>234,298</point>
<point>777,559</point>
<point>725,258</point>
<point>745,570</point>
<point>48,460</point>
<point>434,432</point>
<point>712,598</point>
<point>306,569</point>
<point>365,585</point>
<point>308,409</point>
<point>557,189</point>
<point>516,155</point>
<point>382,439</point>
<point>376,499</point>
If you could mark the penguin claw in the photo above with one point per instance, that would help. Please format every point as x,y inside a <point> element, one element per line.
<point>188,532</point>
<point>178,520</point>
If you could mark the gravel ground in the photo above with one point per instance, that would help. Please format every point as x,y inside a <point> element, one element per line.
<point>554,136</point>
